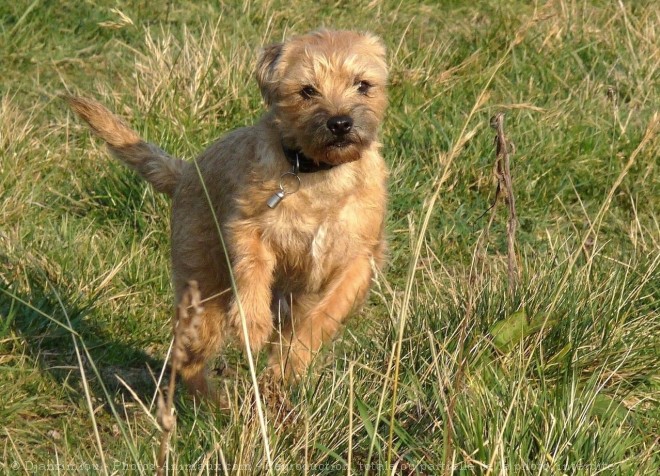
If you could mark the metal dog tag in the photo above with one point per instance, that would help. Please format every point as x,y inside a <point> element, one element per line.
<point>289,183</point>
<point>275,199</point>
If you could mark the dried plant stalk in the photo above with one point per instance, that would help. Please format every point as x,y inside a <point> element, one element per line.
<point>505,190</point>
<point>183,322</point>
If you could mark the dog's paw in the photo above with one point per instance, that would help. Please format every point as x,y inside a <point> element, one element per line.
<point>258,324</point>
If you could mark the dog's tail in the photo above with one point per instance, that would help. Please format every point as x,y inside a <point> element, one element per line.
<point>153,164</point>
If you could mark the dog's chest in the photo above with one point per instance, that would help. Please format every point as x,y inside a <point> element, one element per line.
<point>304,245</point>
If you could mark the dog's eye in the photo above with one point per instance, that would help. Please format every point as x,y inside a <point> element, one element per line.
<point>308,92</point>
<point>363,87</point>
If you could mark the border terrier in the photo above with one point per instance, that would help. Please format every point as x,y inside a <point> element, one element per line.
<point>299,200</point>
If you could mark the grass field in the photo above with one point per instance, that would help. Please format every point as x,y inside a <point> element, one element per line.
<point>423,379</point>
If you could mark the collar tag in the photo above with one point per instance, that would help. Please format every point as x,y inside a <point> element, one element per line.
<point>289,183</point>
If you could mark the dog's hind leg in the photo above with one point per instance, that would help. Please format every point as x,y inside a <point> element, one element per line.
<point>198,340</point>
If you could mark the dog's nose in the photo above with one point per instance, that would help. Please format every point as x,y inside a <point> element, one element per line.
<point>340,125</point>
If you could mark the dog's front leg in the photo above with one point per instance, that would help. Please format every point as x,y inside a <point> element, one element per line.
<point>311,325</point>
<point>253,264</point>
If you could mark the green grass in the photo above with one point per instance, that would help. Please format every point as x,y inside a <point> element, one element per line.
<point>84,281</point>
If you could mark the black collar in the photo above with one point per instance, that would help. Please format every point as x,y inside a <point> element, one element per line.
<point>304,164</point>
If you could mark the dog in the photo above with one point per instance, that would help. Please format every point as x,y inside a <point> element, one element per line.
<point>290,210</point>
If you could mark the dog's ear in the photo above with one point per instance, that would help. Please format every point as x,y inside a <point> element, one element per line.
<point>379,49</point>
<point>267,71</point>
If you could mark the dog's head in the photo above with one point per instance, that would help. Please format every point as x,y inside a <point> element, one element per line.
<point>327,90</point>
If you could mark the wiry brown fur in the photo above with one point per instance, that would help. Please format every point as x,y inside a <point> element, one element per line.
<point>317,250</point>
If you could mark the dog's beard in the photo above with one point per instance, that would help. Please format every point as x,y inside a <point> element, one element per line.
<point>329,149</point>
<point>322,147</point>
<point>339,151</point>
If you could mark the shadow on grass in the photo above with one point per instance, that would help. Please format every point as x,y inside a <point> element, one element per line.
<point>52,322</point>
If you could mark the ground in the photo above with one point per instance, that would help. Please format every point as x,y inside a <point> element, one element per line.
<point>443,370</point>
